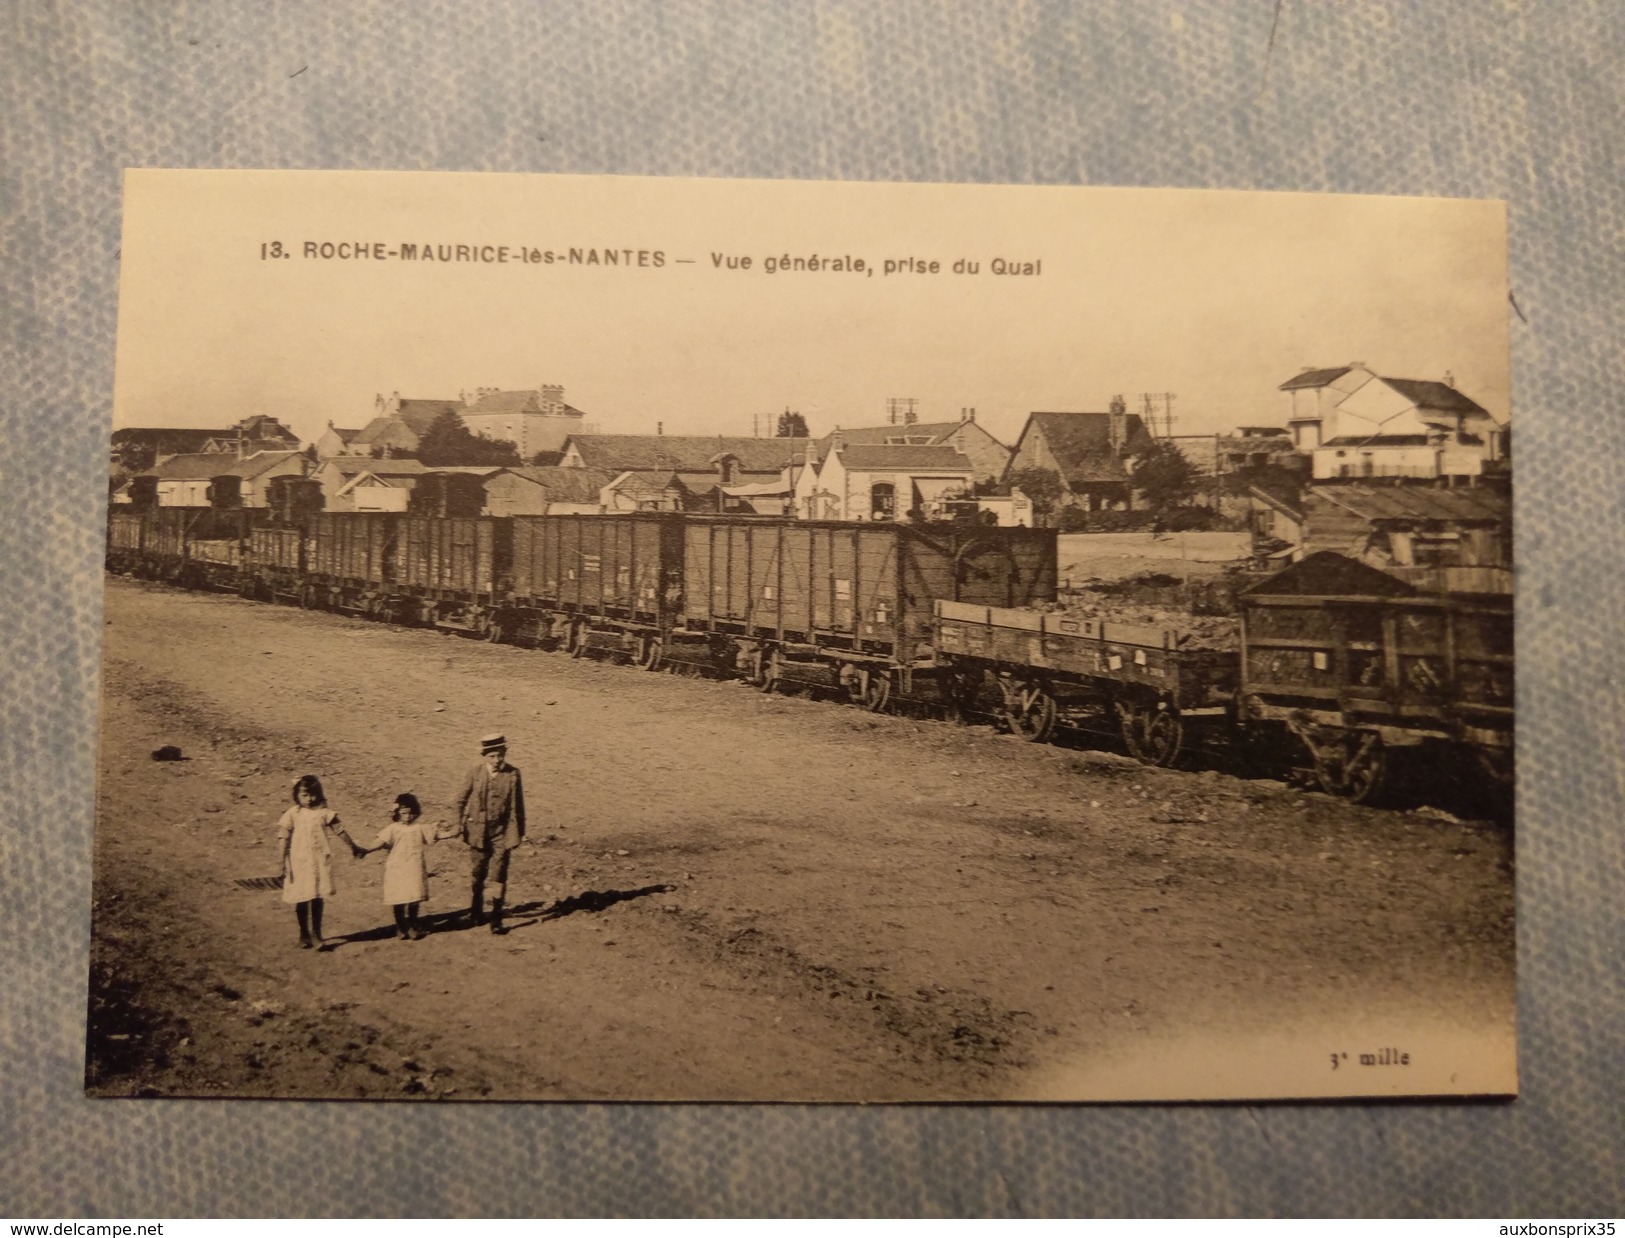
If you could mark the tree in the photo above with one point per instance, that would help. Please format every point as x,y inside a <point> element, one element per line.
<point>449,441</point>
<point>1165,476</point>
<point>791,425</point>
<point>1042,486</point>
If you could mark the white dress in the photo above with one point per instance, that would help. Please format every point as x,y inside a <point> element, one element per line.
<point>406,870</point>
<point>308,872</point>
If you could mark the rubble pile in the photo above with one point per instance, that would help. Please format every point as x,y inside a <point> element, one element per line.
<point>1155,600</point>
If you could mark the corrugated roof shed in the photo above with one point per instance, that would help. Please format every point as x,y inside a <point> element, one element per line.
<point>683,453</point>
<point>879,457</point>
<point>1459,505</point>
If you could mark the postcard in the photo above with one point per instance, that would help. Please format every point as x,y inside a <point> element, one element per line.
<point>630,639</point>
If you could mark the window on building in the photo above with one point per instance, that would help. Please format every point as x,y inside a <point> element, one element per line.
<point>882,500</point>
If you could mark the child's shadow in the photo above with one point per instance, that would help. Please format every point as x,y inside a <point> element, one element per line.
<point>588,900</point>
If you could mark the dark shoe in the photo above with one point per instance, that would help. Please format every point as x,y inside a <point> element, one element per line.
<point>416,934</point>
<point>498,929</point>
<point>497,926</point>
<point>305,943</point>
<point>322,946</point>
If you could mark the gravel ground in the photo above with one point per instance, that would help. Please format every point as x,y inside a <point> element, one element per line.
<point>727,895</point>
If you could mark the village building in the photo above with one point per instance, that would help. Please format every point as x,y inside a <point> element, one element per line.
<point>1093,454</point>
<point>1356,423</point>
<point>645,491</point>
<point>881,481</point>
<point>1248,447</point>
<point>181,480</point>
<point>335,441</point>
<point>1440,539</point>
<point>245,482</point>
<point>138,448</point>
<point>535,421</point>
<point>526,490</point>
<point>338,474</point>
<point>398,425</point>
<point>988,456</point>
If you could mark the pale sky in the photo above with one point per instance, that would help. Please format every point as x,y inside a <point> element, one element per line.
<point>1218,297</point>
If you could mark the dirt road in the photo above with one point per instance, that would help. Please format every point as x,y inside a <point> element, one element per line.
<point>735,896</point>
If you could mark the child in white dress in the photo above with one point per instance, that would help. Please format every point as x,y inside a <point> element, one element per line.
<point>406,870</point>
<point>307,858</point>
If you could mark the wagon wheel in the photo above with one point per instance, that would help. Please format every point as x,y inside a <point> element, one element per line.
<point>1030,712</point>
<point>1365,772</point>
<point>874,690</point>
<point>772,671</point>
<point>1161,738</point>
<point>651,653</point>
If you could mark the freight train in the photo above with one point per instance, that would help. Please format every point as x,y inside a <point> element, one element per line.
<point>1342,672</point>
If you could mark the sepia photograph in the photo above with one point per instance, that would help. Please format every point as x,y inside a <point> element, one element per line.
<point>595,638</point>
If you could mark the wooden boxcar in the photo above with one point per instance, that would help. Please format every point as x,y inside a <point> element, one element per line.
<point>199,547</point>
<point>1144,682</point>
<point>596,581</point>
<point>1355,663</point>
<point>848,604</point>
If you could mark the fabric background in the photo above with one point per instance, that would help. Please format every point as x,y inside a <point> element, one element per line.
<point>1495,99</point>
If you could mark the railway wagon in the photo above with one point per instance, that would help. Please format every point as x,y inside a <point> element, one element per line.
<point>847,605</point>
<point>197,547</point>
<point>1140,681</point>
<point>351,562</point>
<point>596,582</point>
<point>1361,669</point>
<point>452,571</point>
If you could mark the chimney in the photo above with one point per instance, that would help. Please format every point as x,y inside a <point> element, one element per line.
<point>660,428</point>
<point>1449,379</point>
<point>1117,423</point>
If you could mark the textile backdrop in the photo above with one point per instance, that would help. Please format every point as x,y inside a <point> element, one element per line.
<point>1480,99</point>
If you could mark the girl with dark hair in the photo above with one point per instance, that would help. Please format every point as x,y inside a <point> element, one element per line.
<point>406,871</point>
<point>307,857</point>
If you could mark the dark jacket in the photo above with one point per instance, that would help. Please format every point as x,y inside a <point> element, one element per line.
<point>491,807</point>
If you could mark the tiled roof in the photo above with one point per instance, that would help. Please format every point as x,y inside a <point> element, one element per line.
<point>1082,447</point>
<point>1378,440</point>
<point>868,457</point>
<point>683,453</point>
<point>1314,378</point>
<point>1438,397</point>
<point>650,485</point>
<point>165,439</point>
<point>565,485</point>
<point>416,415</point>
<point>350,465</point>
<point>192,466</point>
<point>259,463</point>
<point>515,402</point>
<point>1462,505</point>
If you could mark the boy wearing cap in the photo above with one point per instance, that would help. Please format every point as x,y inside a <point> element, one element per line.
<point>491,807</point>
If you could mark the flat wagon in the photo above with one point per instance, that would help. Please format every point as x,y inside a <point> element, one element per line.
<point>848,605</point>
<point>1360,668</point>
<point>1144,682</point>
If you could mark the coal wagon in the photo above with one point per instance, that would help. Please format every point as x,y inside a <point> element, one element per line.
<point>596,582</point>
<point>1363,670</point>
<point>844,605</point>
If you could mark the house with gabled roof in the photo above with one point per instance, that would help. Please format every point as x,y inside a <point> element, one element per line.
<point>243,483</point>
<point>535,420</point>
<point>337,473</point>
<point>988,456</point>
<point>529,490</point>
<point>1092,453</point>
<point>879,481</point>
<point>1357,423</point>
<point>335,441</point>
<point>185,479</point>
<point>398,425</point>
<point>683,453</point>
